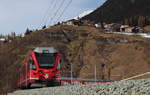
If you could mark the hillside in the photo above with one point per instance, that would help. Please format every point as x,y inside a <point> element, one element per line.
<point>132,12</point>
<point>115,56</point>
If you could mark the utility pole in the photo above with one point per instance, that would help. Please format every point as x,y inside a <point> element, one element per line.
<point>95,73</point>
<point>71,74</point>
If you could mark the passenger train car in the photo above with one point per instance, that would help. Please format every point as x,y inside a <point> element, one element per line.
<point>41,66</point>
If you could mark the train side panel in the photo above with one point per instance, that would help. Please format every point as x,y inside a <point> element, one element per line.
<point>24,73</point>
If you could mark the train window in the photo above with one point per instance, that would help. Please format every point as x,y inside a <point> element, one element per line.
<point>32,65</point>
<point>45,60</point>
<point>45,51</point>
<point>59,64</point>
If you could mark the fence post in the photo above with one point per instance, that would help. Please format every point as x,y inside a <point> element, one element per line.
<point>95,73</point>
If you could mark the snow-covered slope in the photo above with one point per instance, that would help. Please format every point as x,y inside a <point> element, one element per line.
<point>84,14</point>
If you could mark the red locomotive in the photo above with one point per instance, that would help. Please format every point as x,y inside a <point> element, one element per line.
<point>42,66</point>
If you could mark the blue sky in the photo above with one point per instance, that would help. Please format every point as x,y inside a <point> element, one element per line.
<point>17,15</point>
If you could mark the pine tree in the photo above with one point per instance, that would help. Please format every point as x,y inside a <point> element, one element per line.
<point>27,31</point>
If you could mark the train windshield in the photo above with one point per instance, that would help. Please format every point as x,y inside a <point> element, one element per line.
<point>45,60</point>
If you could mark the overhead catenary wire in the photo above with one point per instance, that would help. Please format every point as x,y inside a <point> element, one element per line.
<point>44,19</point>
<point>47,15</point>
<point>47,18</point>
<point>57,11</point>
<point>55,5</point>
<point>64,10</point>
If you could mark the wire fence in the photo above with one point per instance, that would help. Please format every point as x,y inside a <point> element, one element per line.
<point>94,74</point>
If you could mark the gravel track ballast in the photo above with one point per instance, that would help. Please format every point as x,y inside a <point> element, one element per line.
<point>131,87</point>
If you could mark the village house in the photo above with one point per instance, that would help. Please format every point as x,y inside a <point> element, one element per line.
<point>107,26</point>
<point>88,23</point>
<point>129,29</point>
<point>72,22</point>
<point>99,25</point>
<point>138,30</point>
<point>126,28</point>
<point>123,27</point>
<point>6,39</point>
<point>2,39</point>
<point>113,27</point>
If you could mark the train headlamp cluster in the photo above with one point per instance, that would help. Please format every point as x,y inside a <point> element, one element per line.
<point>46,76</point>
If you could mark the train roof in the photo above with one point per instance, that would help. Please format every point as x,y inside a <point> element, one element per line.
<point>45,50</point>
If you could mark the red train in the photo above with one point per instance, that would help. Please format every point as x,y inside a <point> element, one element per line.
<point>42,66</point>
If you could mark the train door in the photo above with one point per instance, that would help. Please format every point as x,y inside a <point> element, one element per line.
<point>59,68</point>
<point>60,65</point>
<point>32,65</point>
<point>24,74</point>
<point>30,69</point>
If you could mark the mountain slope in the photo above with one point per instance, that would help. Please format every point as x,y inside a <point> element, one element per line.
<point>133,12</point>
<point>115,56</point>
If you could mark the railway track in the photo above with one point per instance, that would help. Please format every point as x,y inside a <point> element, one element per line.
<point>80,81</point>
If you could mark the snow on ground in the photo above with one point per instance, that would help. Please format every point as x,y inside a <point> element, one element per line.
<point>145,35</point>
<point>84,14</point>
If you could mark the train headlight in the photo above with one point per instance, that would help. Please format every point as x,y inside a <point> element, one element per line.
<point>46,76</point>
